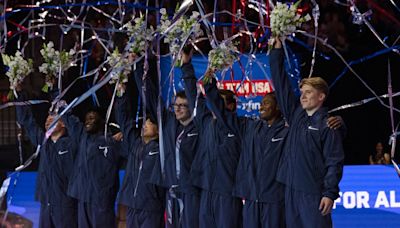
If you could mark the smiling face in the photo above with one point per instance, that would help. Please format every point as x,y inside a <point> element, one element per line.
<point>311,98</point>
<point>314,91</point>
<point>93,122</point>
<point>181,109</point>
<point>269,109</point>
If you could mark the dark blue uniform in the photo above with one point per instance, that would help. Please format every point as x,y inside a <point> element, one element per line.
<point>180,146</point>
<point>55,169</point>
<point>255,176</point>
<point>95,179</point>
<point>214,167</point>
<point>145,201</point>
<point>312,161</point>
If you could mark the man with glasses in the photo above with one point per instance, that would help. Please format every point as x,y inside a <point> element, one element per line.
<point>180,138</point>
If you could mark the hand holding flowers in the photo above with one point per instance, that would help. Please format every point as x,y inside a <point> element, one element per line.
<point>120,72</point>
<point>54,63</point>
<point>285,20</point>
<point>139,34</point>
<point>220,58</point>
<point>19,68</point>
<point>185,28</point>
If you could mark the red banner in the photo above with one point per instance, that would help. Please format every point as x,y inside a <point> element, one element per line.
<point>246,88</point>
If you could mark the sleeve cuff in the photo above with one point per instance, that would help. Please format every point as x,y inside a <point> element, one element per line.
<point>330,195</point>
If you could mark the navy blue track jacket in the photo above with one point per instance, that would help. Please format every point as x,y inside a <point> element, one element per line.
<point>177,163</point>
<point>136,191</point>
<point>214,167</point>
<point>95,176</point>
<point>312,159</point>
<point>261,149</point>
<point>56,161</point>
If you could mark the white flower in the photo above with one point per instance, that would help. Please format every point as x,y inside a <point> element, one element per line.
<point>284,19</point>
<point>163,11</point>
<point>19,68</point>
<point>120,70</point>
<point>139,34</point>
<point>138,20</point>
<point>222,57</point>
<point>54,62</point>
<point>195,15</point>
<point>185,28</point>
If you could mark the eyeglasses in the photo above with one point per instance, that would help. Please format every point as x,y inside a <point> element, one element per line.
<point>180,106</point>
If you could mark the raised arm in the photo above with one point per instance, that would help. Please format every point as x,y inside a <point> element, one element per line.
<point>217,106</point>
<point>74,126</point>
<point>126,124</point>
<point>151,90</point>
<point>287,100</point>
<point>25,118</point>
<point>203,115</point>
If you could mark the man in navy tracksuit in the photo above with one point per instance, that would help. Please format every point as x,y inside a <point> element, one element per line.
<point>214,167</point>
<point>95,178</point>
<point>262,141</point>
<point>55,168</point>
<point>312,160</point>
<point>145,201</point>
<point>180,138</point>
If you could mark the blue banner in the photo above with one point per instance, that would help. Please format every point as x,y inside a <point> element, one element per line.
<point>250,80</point>
<point>370,197</point>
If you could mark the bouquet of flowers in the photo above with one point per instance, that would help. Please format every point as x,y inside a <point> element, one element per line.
<point>140,35</point>
<point>121,70</point>
<point>285,19</point>
<point>53,63</point>
<point>19,68</point>
<point>184,28</point>
<point>220,58</point>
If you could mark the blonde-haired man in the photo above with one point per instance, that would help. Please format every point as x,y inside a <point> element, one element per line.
<point>311,165</point>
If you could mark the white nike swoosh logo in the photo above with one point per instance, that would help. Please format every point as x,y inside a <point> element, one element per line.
<point>191,134</point>
<point>105,148</point>
<point>62,152</point>
<point>313,128</point>
<point>153,152</point>
<point>276,139</point>
<point>230,135</point>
